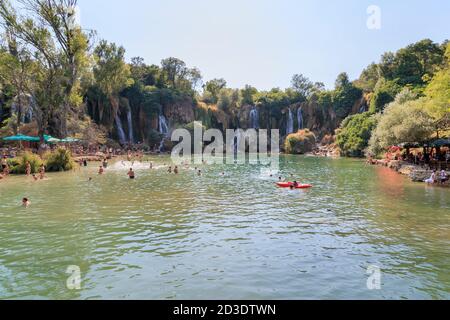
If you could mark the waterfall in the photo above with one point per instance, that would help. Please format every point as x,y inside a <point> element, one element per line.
<point>290,123</point>
<point>120,131</point>
<point>300,118</point>
<point>130,127</point>
<point>254,118</point>
<point>237,141</point>
<point>163,129</point>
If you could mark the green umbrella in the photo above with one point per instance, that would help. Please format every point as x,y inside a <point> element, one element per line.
<point>50,139</point>
<point>69,140</point>
<point>21,137</point>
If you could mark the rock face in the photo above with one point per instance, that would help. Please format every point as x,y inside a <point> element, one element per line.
<point>181,112</point>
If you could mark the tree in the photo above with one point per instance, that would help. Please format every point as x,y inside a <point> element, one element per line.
<point>47,29</point>
<point>302,85</point>
<point>17,70</point>
<point>369,78</point>
<point>401,123</point>
<point>248,94</point>
<point>213,87</point>
<point>438,91</point>
<point>111,73</point>
<point>344,96</point>
<point>355,132</point>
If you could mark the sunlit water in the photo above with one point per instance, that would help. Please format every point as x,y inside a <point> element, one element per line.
<point>232,237</point>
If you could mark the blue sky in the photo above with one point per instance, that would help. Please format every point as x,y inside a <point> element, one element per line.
<point>261,42</point>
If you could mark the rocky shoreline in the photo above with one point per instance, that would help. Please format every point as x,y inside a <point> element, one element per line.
<point>415,172</point>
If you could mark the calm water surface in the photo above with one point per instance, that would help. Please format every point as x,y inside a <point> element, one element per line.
<point>233,237</point>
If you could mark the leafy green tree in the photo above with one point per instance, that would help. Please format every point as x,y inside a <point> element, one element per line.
<point>213,87</point>
<point>344,96</point>
<point>248,94</point>
<point>401,123</point>
<point>385,92</point>
<point>111,74</point>
<point>302,85</point>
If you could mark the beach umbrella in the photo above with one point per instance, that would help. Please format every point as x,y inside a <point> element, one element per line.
<point>441,143</point>
<point>69,140</point>
<point>21,137</point>
<point>50,139</point>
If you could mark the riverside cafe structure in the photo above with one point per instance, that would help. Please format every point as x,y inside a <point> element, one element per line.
<point>434,154</point>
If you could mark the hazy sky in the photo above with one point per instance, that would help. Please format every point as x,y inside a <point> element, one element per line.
<point>261,42</point>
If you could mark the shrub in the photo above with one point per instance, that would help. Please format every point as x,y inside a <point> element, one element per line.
<point>59,160</point>
<point>18,165</point>
<point>300,143</point>
<point>354,134</point>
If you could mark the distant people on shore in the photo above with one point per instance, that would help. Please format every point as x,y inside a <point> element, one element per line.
<point>443,177</point>
<point>432,179</point>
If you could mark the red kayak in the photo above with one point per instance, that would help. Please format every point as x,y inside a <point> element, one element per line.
<point>289,184</point>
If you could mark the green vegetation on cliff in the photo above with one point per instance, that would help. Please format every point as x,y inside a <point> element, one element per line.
<point>55,79</point>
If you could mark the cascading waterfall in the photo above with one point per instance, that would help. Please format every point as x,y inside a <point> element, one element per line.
<point>130,127</point>
<point>300,118</point>
<point>254,118</point>
<point>120,132</point>
<point>290,123</point>
<point>237,141</point>
<point>163,129</point>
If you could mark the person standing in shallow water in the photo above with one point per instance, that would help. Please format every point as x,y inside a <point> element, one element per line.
<point>175,170</point>
<point>101,170</point>
<point>28,168</point>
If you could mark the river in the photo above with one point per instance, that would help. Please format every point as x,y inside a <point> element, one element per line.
<point>235,236</point>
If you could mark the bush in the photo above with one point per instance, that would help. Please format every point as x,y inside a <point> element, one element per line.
<point>300,143</point>
<point>59,160</point>
<point>18,165</point>
<point>354,134</point>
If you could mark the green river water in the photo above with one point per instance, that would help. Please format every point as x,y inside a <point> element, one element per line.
<point>164,236</point>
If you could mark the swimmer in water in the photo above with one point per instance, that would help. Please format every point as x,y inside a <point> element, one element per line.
<point>101,170</point>
<point>199,173</point>
<point>34,177</point>
<point>175,170</point>
<point>170,169</point>
<point>25,202</point>
<point>131,174</point>
<point>90,179</point>
<point>42,172</point>
<point>151,165</point>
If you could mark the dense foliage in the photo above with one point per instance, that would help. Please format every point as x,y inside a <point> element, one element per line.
<point>355,132</point>
<point>300,142</point>
<point>56,79</point>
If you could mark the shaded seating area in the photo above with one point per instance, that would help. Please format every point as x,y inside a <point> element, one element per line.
<point>433,154</point>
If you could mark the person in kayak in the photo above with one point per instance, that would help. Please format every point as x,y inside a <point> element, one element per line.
<point>295,184</point>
